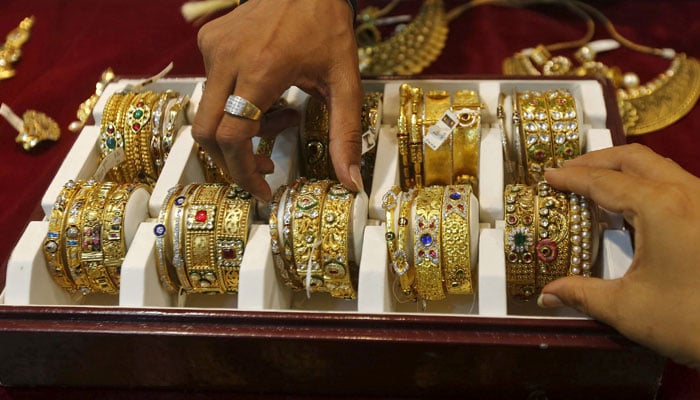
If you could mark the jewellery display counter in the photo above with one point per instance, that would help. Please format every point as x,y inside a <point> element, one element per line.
<point>269,340</point>
<point>266,337</point>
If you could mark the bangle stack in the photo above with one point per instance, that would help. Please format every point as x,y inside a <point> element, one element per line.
<point>85,245</point>
<point>201,235</point>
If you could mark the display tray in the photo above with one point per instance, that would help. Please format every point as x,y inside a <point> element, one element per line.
<point>268,339</point>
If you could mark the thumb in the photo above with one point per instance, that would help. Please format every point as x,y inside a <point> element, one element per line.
<point>592,296</point>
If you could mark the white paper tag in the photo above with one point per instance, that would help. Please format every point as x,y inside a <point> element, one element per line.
<point>369,141</point>
<point>11,117</point>
<point>137,87</point>
<point>441,130</point>
<point>110,161</point>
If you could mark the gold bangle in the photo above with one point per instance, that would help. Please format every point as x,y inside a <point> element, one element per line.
<point>287,232</point>
<point>172,127</point>
<point>157,130</point>
<point>142,128</point>
<point>437,164</point>
<point>74,237</point>
<point>455,239</point>
<point>536,136</point>
<point>125,169</point>
<point>92,259</point>
<point>466,139</point>
<point>54,244</point>
<point>402,136</point>
<point>200,239</point>
<point>232,225</point>
<point>519,241</point>
<point>389,202</point>
<point>340,271</point>
<point>111,135</point>
<point>552,246</point>
<point>426,235</point>
<point>178,237</point>
<point>285,269</point>
<point>402,259</point>
<point>370,119</point>
<point>416,136</point>
<point>306,227</point>
<point>315,146</point>
<point>565,133</point>
<point>166,273</point>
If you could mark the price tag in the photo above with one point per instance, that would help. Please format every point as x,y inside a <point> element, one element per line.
<point>110,161</point>
<point>441,130</point>
<point>369,141</point>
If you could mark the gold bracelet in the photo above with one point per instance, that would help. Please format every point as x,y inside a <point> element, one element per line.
<point>466,139</point>
<point>416,136</point>
<point>455,239</point>
<point>74,237</point>
<point>389,202</point>
<point>172,127</point>
<point>178,236</point>
<point>402,135</point>
<point>519,241</point>
<point>142,128</point>
<point>536,136</point>
<point>92,255</point>
<point>158,126</point>
<point>54,244</point>
<point>286,271</point>
<point>340,272</point>
<point>565,133</point>
<point>552,248</point>
<point>166,273</point>
<point>437,164</point>
<point>426,235</point>
<point>306,227</point>
<point>287,232</point>
<point>370,119</point>
<point>125,169</point>
<point>316,157</point>
<point>111,135</point>
<point>232,225</point>
<point>200,239</point>
<point>402,259</point>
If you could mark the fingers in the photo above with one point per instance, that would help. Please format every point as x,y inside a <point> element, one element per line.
<point>591,296</point>
<point>634,159</point>
<point>345,136</point>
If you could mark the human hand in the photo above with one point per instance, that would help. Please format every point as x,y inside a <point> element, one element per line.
<point>258,51</point>
<point>656,302</point>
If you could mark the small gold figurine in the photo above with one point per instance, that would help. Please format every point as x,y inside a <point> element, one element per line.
<point>10,52</point>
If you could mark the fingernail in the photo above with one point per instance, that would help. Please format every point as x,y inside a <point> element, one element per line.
<point>356,177</point>
<point>548,300</point>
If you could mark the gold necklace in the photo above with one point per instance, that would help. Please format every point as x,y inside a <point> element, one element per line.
<point>643,108</point>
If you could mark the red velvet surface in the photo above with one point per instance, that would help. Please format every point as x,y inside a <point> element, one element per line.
<point>73,41</point>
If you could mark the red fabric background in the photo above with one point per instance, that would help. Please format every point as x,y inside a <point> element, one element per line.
<point>73,41</point>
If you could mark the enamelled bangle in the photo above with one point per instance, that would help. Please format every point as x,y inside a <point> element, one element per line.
<point>92,255</point>
<point>306,227</point>
<point>552,246</point>
<point>232,226</point>
<point>177,237</point>
<point>73,237</point>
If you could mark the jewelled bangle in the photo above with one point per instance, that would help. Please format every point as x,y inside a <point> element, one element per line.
<point>519,239</point>
<point>200,239</point>
<point>275,243</point>
<point>466,139</point>
<point>54,244</point>
<point>156,142</point>
<point>74,237</point>
<point>402,258</point>
<point>340,271</point>
<point>581,236</point>
<point>565,132</point>
<point>232,225</point>
<point>426,249</point>
<point>536,134</point>
<point>166,274</point>
<point>91,255</point>
<point>437,163</point>
<point>111,134</point>
<point>177,238</point>
<point>287,232</point>
<point>455,239</point>
<point>306,225</point>
<point>172,127</point>
<point>317,160</point>
<point>389,203</point>
<point>129,168</point>
<point>552,246</point>
<point>402,136</point>
<point>510,167</point>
